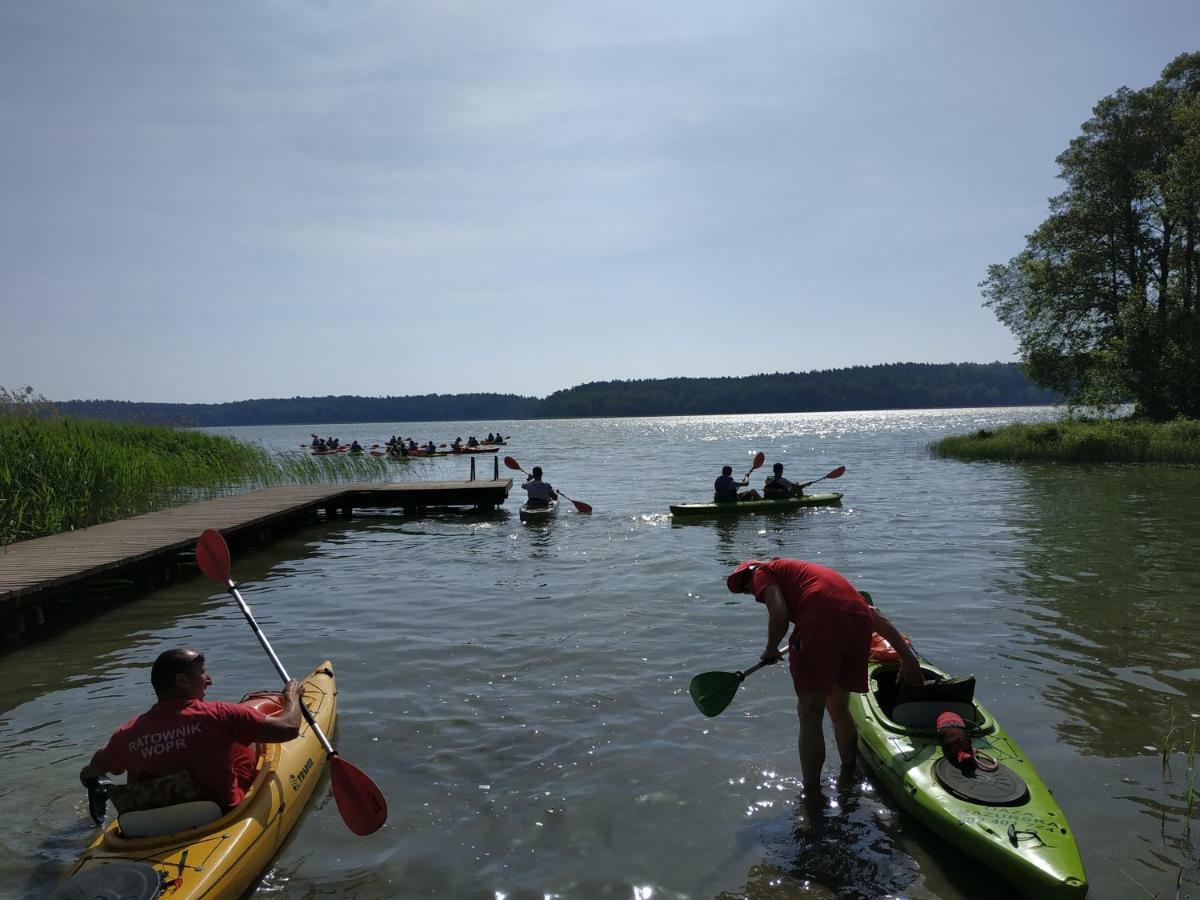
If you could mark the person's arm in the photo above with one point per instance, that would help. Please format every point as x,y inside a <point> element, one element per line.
<point>95,768</point>
<point>285,724</point>
<point>777,623</point>
<point>910,667</point>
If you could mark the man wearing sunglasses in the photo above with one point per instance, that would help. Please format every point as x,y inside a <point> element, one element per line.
<point>210,740</point>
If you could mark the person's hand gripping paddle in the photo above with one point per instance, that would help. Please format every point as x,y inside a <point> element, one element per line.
<point>759,457</point>
<point>579,504</point>
<point>361,803</point>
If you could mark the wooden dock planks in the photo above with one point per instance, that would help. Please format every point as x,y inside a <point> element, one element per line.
<point>49,563</point>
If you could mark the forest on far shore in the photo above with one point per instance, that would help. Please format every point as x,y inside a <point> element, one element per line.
<point>889,386</point>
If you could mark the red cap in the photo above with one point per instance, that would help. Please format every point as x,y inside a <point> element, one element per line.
<point>736,578</point>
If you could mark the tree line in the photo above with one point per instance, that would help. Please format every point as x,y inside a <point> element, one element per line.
<point>1105,297</point>
<point>890,386</point>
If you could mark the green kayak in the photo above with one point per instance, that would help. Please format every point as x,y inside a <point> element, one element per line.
<point>1007,819</point>
<point>754,506</point>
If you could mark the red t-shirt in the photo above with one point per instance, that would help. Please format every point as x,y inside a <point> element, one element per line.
<point>812,591</point>
<point>208,739</point>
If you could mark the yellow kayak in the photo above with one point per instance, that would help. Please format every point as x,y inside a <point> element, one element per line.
<point>222,857</point>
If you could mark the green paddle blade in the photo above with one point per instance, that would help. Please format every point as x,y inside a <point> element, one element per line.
<point>713,691</point>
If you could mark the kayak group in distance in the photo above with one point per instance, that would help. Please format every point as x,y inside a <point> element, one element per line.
<point>399,447</point>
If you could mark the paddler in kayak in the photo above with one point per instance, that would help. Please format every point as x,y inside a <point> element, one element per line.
<point>725,488</point>
<point>209,740</point>
<point>828,650</point>
<point>540,492</point>
<point>779,488</point>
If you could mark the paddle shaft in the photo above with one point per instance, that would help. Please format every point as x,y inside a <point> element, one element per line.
<point>262,639</point>
<point>755,668</point>
<point>836,473</point>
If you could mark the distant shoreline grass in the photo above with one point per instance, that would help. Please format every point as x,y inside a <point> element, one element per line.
<point>1079,441</point>
<point>61,474</point>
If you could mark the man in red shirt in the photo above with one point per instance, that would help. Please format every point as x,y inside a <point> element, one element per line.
<point>829,649</point>
<point>183,731</point>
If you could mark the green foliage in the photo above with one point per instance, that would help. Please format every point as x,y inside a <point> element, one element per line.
<point>893,386</point>
<point>1081,441</point>
<point>1104,297</point>
<point>61,474</point>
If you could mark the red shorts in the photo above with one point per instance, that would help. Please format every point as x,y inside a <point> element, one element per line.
<point>831,651</point>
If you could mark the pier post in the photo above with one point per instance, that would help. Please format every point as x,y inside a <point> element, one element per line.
<point>472,478</point>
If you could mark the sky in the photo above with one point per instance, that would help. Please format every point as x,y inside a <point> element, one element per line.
<point>205,202</point>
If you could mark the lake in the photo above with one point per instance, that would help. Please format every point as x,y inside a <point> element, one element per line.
<point>520,693</point>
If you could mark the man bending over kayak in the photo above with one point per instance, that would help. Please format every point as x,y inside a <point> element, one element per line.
<point>828,650</point>
<point>183,731</point>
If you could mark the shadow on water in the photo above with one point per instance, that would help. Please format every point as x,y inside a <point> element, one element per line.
<point>857,847</point>
<point>1111,581</point>
<point>771,534</point>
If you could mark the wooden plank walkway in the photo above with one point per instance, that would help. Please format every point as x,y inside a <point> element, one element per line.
<point>50,565</point>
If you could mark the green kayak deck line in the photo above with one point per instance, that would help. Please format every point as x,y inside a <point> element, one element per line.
<point>754,506</point>
<point>1028,843</point>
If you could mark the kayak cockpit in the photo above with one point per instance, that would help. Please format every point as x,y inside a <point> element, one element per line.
<point>915,711</point>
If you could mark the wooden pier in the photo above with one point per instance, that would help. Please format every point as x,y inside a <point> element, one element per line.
<point>39,576</point>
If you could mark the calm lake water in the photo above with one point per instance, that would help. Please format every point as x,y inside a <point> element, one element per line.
<point>520,693</point>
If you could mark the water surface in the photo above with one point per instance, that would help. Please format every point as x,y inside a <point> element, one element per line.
<point>520,693</point>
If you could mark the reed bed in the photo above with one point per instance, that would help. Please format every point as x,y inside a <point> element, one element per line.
<point>1080,441</point>
<point>61,474</point>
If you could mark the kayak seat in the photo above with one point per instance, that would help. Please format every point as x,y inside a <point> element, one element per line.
<point>937,689</point>
<point>167,819</point>
<point>922,715</point>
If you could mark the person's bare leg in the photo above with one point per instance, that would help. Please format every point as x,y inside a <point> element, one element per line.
<point>811,710</point>
<point>844,731</point>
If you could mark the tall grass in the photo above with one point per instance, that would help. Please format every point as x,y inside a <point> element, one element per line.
<point>1080,440</point>
<point>60,474</point>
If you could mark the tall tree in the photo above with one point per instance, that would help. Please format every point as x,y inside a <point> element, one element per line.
<point>1103,298</point>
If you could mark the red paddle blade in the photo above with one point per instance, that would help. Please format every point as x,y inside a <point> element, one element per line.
<point>585,508</point>
<point>212,556</point>
<point>361,803</point>
<point>512,463</point>
<point>837,473</point>
<point>759,458</point>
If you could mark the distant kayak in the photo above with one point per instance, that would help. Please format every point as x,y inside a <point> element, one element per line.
<point>475,450</point>
<point>540,514</point>
<point>754,506</point>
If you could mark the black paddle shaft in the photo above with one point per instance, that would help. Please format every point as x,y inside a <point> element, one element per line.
<point>262,639</point>
<point>755,668</point>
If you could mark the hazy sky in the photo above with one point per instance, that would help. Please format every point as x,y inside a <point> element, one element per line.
<point>220,201</point>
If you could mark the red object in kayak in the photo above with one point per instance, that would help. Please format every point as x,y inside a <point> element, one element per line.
<point>882,649</point>
<point>956,743</point>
